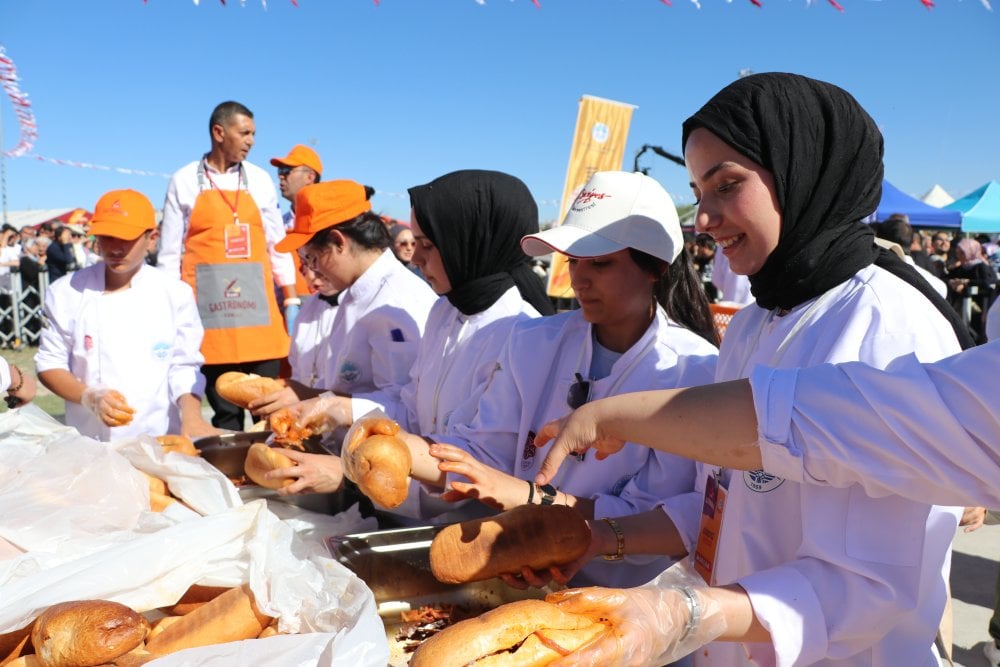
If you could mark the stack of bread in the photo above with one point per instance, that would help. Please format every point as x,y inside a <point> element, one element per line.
<point>83,633</point>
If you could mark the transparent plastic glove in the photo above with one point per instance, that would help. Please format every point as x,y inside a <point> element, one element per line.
<point>291,312</point>
<point>650,625</point>
<point>108,405</point>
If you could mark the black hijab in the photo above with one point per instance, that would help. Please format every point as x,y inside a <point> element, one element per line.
<point>825,154</point>
<point>476,219</point>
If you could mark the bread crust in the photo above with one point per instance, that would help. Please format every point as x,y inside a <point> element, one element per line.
<point>242,388</point>
<point>232,616</point>
<point>86,632</point>
<point>535,536</point>
<point>487,639</point>
<point>178,443</point>
<point>194,597</point>
<point>261,459</point>
<point>379,462</point>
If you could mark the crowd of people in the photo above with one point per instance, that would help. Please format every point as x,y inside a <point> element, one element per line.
<point>443,324</point>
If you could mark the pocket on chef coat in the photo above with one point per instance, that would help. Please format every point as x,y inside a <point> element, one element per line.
<point>887,530</point>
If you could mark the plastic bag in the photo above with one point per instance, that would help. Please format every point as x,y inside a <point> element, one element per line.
<point>79,511</point>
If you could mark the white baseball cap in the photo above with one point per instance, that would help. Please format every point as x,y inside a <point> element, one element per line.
<point>614,210</point>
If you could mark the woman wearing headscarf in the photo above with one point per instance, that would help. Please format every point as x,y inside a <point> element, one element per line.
<point>784,168</point>
<point>467,225</point>
<point>973,278</point>
<point>403,246</point>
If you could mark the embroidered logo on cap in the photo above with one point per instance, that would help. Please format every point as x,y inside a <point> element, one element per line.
<point>588,199</point>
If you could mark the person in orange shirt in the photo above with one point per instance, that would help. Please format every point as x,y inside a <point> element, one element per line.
<point>220,225</point>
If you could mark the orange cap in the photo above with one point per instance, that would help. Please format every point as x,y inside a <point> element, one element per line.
<point>323,205</point>
<point>299,156</point>
<point>123,214</point>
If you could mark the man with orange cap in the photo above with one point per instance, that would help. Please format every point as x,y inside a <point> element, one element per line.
<point>301,167</point>
<point>220,224</point>
<point>121,340</point>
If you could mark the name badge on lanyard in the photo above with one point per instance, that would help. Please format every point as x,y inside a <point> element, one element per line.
<point>707,551</point>
<point>237,240</point>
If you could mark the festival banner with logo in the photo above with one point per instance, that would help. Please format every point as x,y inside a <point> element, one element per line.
<point>598,145</point>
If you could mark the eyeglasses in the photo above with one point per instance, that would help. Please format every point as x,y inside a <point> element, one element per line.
<point>286,170</point>
<point>309,260</point>
<point>579,392</point>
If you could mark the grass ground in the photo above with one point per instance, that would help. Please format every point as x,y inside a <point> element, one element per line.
<point>24,358</point>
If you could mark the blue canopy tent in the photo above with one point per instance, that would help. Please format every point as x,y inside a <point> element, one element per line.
<point>980,209</point>
<point>895,200</point>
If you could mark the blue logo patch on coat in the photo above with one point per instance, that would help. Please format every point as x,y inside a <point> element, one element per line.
<point>349,372</point>
<point>161,351</point>
<point>760,481</point>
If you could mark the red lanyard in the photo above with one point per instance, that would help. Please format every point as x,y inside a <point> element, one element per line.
<point>235,206</point>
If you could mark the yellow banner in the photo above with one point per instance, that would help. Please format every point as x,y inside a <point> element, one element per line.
<point>598,145</point>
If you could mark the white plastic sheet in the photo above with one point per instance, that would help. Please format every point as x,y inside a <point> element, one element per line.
<point>78,511</point>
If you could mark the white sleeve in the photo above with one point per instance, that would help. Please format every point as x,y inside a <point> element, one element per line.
<point>282,265</point>
<point>5,380</point>
<point>172,227</point>
<point>185,367</point>
<point>927,432</point>
<point>55,345</point>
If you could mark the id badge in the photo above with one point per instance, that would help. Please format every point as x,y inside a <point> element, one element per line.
<point>237,240</point>
<point>707,551</point>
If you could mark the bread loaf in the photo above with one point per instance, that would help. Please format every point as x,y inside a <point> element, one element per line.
<point>262,459</point>
<point>232,616</point>
<point>86,632</point>
<point>12,643</point>
<point>529,632</point>
<point>241,388</point>
<point>194,597</point>
<point>378,462</point>
<point>178,443</point>
<point>534,536</point>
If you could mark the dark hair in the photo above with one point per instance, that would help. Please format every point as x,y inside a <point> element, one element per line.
<point>896,230</point>
<point>223,114</point>
<point>678,289</point>
<point>366,230</point>
<point>46,226</point>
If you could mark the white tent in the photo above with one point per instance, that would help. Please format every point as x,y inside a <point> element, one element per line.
<point>32,217</point>
<point>937,196</point>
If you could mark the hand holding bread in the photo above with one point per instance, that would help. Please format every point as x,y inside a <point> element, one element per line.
<point>242,388</point>
<point>261,459</point>
<point>529,632</point>
<point>532,536</point>
<point>377,461</point>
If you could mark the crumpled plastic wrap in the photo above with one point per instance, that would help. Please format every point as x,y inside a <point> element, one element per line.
<point>76,525</point>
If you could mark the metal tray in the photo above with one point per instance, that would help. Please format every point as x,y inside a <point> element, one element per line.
<point>396,566</point>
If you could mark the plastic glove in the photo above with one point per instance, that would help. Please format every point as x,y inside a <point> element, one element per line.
<point>291,312</point>
<point>108,405</point>
<point>650,625</point>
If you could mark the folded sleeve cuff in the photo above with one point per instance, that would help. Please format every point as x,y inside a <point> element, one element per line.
<point>785,603</point>
<point>774,402</point>
<point>685,512</point>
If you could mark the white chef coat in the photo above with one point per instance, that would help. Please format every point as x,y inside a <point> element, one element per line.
<point>143,341</point>
<point>5,375</point>
<point>309,354</point>
<point>377,329</point>
<point>838,577</point>
<point>529,388</point>
<point>455,359</point>
<point>928,432</point>
<point>184,189</point>
<point>993,321</point>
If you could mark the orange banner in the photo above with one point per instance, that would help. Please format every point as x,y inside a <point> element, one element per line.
<point>598,145</point>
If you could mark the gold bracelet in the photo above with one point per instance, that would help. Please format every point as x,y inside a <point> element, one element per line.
<point>619,535</point>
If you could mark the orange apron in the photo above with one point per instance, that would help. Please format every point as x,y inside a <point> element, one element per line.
<point>226,263</point>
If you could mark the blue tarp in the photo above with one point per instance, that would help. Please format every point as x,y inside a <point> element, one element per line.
<point>980,209</point>
<point>895,200</point>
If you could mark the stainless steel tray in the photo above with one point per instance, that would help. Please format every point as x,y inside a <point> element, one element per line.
<point>396,566</point>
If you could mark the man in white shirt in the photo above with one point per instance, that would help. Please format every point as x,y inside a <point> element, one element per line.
<point>220,224</point>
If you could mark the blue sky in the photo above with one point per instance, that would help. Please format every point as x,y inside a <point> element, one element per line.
<point>397,94</point>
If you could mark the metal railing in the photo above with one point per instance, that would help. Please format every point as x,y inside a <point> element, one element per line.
<point>21,309</point>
